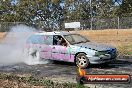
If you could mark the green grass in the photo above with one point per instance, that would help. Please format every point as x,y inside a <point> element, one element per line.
<point>125,50</point>
<point>39,82</point>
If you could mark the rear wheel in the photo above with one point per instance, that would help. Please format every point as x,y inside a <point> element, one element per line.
<point>37,55</point>
<point>82,60</point>
<point>32,54</point>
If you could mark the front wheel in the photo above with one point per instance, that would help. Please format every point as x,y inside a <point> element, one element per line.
<point>82,60</point>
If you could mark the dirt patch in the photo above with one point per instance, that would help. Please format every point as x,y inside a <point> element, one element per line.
<point>103,36</point>
<point>120,35</point>
<point>2,35</point>
<point>15,81</point>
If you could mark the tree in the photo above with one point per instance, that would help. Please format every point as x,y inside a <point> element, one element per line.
<point>53,13</point>
<point>7,11</point>
<point>125,8</point>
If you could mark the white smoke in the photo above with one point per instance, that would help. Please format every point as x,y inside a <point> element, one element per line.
<point>12,46</point>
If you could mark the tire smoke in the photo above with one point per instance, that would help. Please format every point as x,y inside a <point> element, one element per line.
<point>12,46</point>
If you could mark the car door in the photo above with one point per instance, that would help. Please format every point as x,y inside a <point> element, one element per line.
<point>45,46</point>
<point>60,52</point>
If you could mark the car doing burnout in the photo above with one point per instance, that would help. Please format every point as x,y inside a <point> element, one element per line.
<point>69,47</point>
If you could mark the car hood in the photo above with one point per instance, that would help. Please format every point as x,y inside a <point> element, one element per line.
<point>95,46</point>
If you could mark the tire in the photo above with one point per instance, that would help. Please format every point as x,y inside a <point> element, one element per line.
<point>32,54</point>
<point>37,56</point>
<point>82,61</point>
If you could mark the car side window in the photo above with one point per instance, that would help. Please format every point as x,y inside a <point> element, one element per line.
<point>59,40</point>
<point>69,38</point>
<point>48,39</point>
<point>40,39</point>
<point>32,39</point>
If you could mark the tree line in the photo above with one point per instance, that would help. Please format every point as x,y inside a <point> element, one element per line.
<point>53,13</point>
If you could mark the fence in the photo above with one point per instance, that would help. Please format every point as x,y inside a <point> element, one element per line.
<point>94,23</point>
<point>106,23</point>
<point>5,26</point>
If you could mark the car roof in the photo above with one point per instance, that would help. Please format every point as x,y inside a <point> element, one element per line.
<point>53,33</point>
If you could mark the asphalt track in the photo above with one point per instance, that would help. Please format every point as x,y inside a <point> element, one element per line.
<point>66,72</point>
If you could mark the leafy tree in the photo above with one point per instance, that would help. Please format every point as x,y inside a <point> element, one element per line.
<point>7,11</point>
<point>125,8</point>
<point>53,13</point>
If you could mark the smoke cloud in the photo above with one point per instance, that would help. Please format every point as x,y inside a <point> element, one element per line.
<point>13,45</point>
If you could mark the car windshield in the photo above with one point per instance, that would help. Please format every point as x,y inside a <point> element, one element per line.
<point>75,39</point>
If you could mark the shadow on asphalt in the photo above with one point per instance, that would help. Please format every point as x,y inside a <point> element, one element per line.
<point>115,64</point>
<point>63,63</point>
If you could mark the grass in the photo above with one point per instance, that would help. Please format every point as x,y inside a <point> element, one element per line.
<point>120,38</point>
<point>10,81</point>
<point>104,36</point>
<point>125,50</point>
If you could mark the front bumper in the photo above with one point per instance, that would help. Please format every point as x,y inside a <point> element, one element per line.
<point>100,60</point>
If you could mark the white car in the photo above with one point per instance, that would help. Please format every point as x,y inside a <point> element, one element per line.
<point>69,47</point>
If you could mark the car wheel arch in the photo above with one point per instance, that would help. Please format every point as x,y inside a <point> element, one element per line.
<point>77,54</point>
<point>86,63</point>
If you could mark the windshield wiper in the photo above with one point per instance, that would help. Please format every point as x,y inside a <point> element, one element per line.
<point>87,41</point>
<point>82,42</point>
